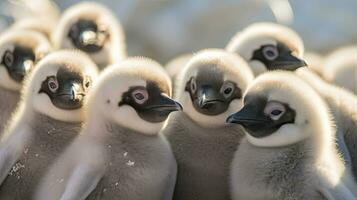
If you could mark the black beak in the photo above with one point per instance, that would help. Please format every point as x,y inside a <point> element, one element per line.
<point>288,62</point>
<point>165,104</point>
<point>208,98</point>
<point>71,96</point>
<point>248,116</point>
<point>20,71</point>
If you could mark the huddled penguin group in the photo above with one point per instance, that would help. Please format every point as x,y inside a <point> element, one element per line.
<point>258,120</point>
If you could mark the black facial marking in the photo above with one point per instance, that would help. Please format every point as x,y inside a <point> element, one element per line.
<point>256,122</point>
<point>18,62</point>
<point>209,93</point>
<point>151,103</point>
<point>87,36</point>
<point>67,89</point>
<point>277,57</point>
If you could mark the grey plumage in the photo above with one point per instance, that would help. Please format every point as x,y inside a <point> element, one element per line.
<point>139,167</point>
<point>38,154</point>
<point>275,173</point>
<point>204,156</point>
<point>8,102</point>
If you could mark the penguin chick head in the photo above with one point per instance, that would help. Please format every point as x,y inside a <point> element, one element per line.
<point>59,84</point>
<point>268,46</point>
<point>211,86</point>
<point>134,94</point>
<point>280,109</point>
<point>20,50</point>
<point>92,28</point>
<point>340,67</point>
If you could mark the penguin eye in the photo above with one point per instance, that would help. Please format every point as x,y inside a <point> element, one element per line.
<point>140,96</point>
<point>274,110</point>
<point>193,85</point>
<point>270,52</point>
<point>8,58</point>
<point>53,84</point>
<point>227,89</point>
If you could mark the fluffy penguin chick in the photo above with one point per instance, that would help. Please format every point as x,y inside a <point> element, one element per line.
<point>343,105</point>
<point>289,150</point>
<point>92,28</point>
<point>341,68</point>
<point>268,46</point>
<point>120,154</point>
<point>210,88</point>
<point>47,119</point>
<point>29,15</point>
<point>19,52</point>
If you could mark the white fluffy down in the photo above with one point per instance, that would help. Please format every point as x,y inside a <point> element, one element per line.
<point>340,68</point>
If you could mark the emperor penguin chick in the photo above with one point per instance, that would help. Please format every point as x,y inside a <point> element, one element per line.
<point>268,46</point>
<point>94,29</point>
<point>120,153</point>
<point>46,120</point>
<point>19,52</point>
<point>340,68</point>
<point>289,151</point>
<point>210,88</point>
<point>29,15</point>
<point>343,105</point>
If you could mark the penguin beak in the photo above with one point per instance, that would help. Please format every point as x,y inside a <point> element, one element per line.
<point>288,62</point>
<point>21,70</point>
<point>248,117</point>
<point>165,104</point>
<point>208,98</point>
<point>90,37</point>
<point>72,95</point>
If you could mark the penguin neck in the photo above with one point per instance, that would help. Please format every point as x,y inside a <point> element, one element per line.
<point>106,130</point>
<point>8,99</point>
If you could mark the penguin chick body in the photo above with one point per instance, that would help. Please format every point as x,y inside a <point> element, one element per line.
<point>268,46</point>
<point>19,52</point>
<point>119,154</point>
<point>289,150</point>
<point>93,29</point>
<point>343,105</point>
<point>210,87</point>
<point>47,119</point>
<point>340,68</point>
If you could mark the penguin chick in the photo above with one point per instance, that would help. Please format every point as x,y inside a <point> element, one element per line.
<point>92,28</point>
<point>343,105</point>
<point>315,62</point>
<point>120,154</point>
<point>174,66</point>
<point>47,119</point>
<point>268,46</point>
<point>210,88</point>
<point>341,68</point>
<point>289,150</point>
<point>43,26</point>
<point>29,15</point>
<point>19,52</point>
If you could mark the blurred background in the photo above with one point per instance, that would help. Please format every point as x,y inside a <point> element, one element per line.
<point>162,29</point>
